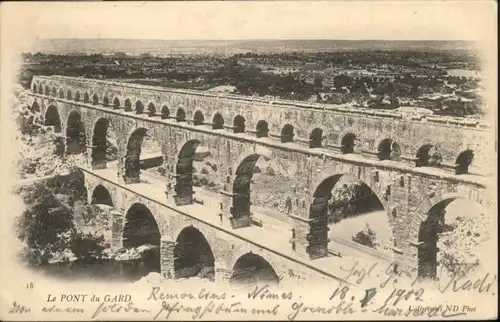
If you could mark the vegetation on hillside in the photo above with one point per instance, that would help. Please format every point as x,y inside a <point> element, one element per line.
<point>40,147</point>
<point>460,242</point>
<point>46,227</point>
<point>374,79</point>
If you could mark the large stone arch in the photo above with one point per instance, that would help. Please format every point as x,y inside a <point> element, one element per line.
<point>242,173</point>
<point>250,266</point>
<point>319,194</point>
<point>250,150</point>
<point>184,172</point>
<point>193,255</point>
<point>140,228</point>
<point>241,190</point>
<point>132,149</point>
<point>99,143</point>
<point>133,154</point>
<point>101,196</point>
<point>136,215</point>
<point>76,135</point>
<point>423,228</point>
<point>354,171</point>
<point>479,196</point>
<point>52,118</point>
<point>127,200</point>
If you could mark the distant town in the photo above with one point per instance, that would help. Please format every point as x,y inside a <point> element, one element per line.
<point>423,80</point>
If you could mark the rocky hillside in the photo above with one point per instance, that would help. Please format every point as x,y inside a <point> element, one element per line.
<point>463,241</point>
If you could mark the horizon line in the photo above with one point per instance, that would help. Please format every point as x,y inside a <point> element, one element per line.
<point>262,39</point>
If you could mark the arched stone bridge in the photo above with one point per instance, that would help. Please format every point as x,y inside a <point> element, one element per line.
<point>392,158</point>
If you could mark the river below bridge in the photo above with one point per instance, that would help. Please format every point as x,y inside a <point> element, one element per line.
<point>98,270</point>
<point>464,243</point>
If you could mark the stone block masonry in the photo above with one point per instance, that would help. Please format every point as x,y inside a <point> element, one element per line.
<point>318,168</point>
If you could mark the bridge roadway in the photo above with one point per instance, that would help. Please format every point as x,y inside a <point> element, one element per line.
<point>275,229</point>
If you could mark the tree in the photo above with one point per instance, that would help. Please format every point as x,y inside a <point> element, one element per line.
<point>359,87</point>
<point>342,81</point>
<point>318,83</point>
<point>45,227</point>
<point>89,241</point>
<point>415,91</point>
<point>366,237</point>
<point>394,102</point>
<point>87,246</point>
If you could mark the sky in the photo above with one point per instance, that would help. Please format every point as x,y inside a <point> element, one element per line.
<point>388,20</point>
<point>22,23</point>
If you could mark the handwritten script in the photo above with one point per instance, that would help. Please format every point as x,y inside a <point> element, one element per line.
<point>374,290</point>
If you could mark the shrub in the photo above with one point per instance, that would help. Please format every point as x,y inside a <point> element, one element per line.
<point>455,265</point>
<point>43,224</point>
<point>366,237</point>
<point>87,246</point>
<point>47,229</point>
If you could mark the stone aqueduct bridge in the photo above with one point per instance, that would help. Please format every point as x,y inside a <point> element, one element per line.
<point>387,151</point>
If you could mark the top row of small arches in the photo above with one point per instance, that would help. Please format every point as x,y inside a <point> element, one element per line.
<point>262,129</point>
<point>198,119</point>
<point>43,88</point>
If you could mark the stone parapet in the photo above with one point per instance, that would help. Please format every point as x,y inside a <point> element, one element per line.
<point>342,108</point>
